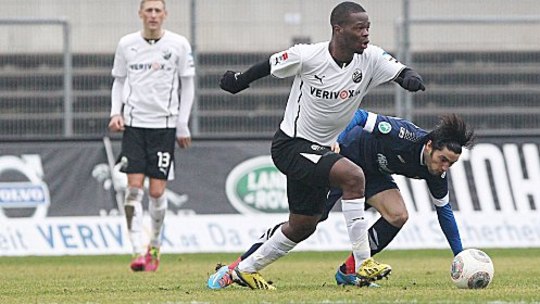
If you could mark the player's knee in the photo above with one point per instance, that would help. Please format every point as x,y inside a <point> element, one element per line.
<point>353,184</point>
<point>156,192</point>
<point>300,230</point>
<point>398,219</point>
<point>354,187</point>
<point>133,195</point>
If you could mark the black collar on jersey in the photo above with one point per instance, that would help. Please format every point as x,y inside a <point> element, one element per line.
<point>152,41</point>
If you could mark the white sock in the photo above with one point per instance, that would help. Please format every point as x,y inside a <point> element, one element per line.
<point>157,208</point>
<point>274,248</point>
<point>357,225</point>
<point>134,218</point>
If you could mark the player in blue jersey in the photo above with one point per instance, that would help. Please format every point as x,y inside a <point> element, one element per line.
<point>382,146</point>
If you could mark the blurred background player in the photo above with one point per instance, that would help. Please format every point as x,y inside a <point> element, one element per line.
<point>149,67</point>
<point>331,78</point>
<point>383,146</point>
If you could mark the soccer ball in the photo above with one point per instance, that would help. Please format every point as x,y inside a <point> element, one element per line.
<point>472,269</point>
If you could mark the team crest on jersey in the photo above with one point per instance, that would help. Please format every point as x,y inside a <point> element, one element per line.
<point>282,57</point>
<point>167,54</point>
<point>384,127</point>
<point>357,76</point>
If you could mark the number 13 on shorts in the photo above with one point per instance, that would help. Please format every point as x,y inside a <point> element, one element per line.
<point>164,162</point>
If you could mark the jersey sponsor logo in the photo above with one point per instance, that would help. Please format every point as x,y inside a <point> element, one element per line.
<point>257,186</point>
<point>357,76</point>
<point>324,94</point>
<point>281,58</point>
<point>147,66</point>
<point>407,135</point>
<point>384,127</point>
<point>18,194</point>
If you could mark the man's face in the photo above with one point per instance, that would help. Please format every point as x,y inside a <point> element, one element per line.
<point>439,161</point>
<point>354,33</point>
<point>152,14</point>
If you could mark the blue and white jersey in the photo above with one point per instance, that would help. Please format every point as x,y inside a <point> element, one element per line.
<point>390,145</point>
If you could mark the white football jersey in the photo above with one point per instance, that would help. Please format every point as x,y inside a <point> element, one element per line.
<point>324,96</point>
<point>152,74</point>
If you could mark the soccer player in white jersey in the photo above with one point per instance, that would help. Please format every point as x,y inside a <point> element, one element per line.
<point>149,67</point>
<point>330,80</point>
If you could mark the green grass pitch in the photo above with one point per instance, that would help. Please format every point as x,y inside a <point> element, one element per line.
<point>419,276</point>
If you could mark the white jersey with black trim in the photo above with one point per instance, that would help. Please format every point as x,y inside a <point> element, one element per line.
<point>152,72</point>
<point>324,96</point>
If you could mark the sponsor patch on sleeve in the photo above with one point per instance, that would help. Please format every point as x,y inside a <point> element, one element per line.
<point>389,57</point>
<point>279,58</point>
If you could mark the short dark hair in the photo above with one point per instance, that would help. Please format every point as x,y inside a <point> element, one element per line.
<point>452,133</point>
<point>143,1</point>
<point>341,12</point>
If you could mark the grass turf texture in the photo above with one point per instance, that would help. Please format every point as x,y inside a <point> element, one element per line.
<point>419,276</point>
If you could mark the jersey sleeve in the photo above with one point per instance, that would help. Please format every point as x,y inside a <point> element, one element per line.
<point>186,65</point>
<point>449,227</point>
<point>397,127</point>
<point>386,67</point>
<point>359,119</point>
<point>119,66</point>
<point>438,188</point>
<point>286,63</point>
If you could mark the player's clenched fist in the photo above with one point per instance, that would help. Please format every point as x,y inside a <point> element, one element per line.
<point>232,83</point>
<point>116,124</point>
<point>410,80</point>
<point>414,83</point>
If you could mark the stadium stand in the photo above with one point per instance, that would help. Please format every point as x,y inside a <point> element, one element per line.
<point>496,90</point>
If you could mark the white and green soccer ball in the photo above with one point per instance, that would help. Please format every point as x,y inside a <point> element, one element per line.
<point>472,269</point>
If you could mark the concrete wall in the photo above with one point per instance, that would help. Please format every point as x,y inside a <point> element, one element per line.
<point>257,25</point>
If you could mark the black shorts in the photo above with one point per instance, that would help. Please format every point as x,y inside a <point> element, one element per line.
<point>307,167</point>
<point>148,151</point>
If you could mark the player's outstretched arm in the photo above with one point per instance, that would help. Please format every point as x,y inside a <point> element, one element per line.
<point>449,227</point>
<point>234,82</point>
<point>410,80</point>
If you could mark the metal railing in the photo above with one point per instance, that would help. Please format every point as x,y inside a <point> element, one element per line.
<point>67,61</point>
<point>404,102</point>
